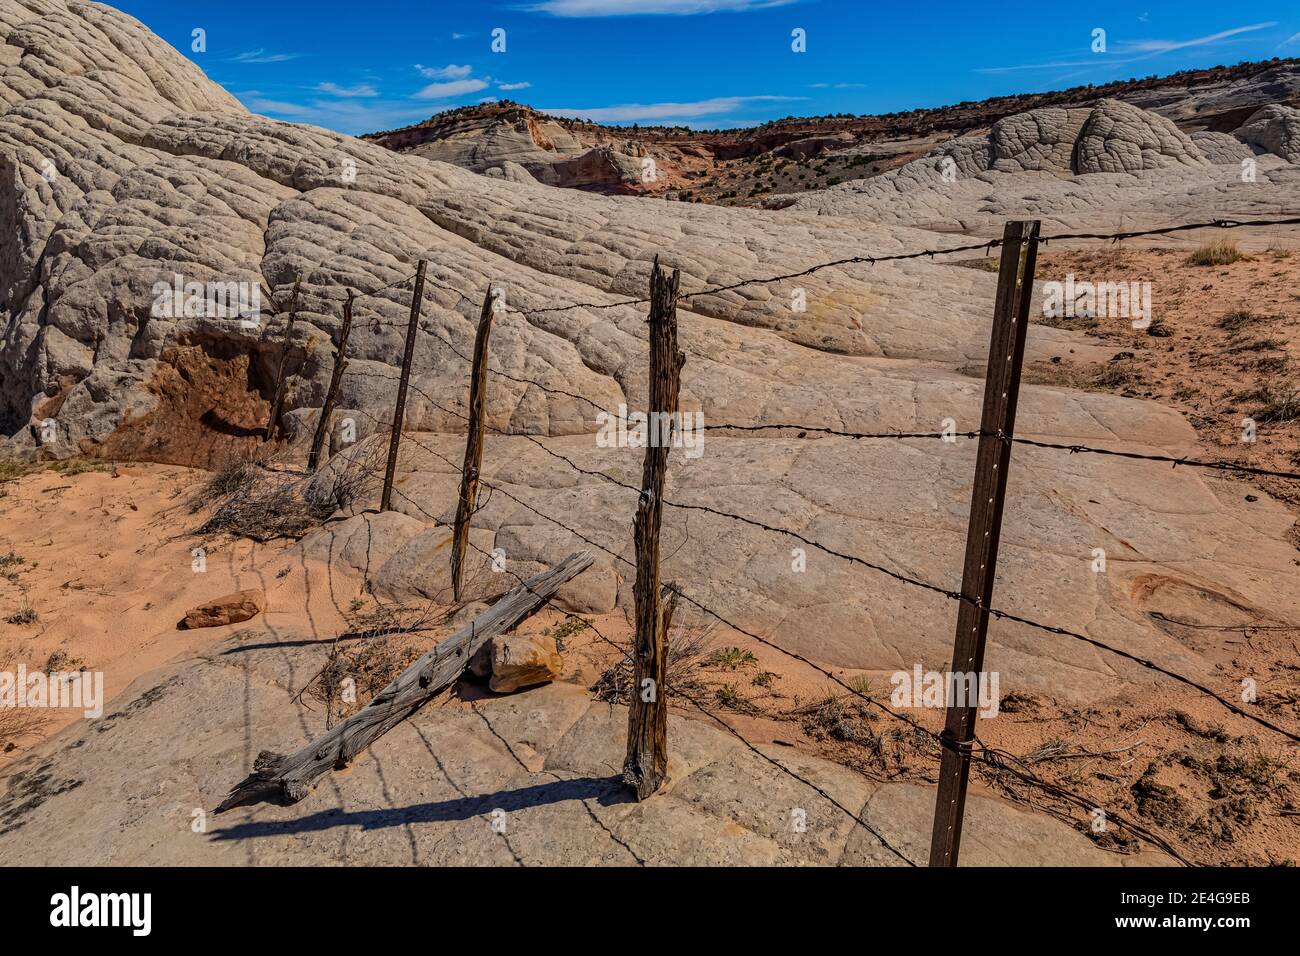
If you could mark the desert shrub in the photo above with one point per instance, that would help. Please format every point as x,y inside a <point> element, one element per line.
<point>76,466</point>
<point>840,717</point>
<point>1221,252</point>
<point>730,658</point>
<point>258,502</point>
<point>61,660</point>
<point>1238,319</point>
<point>17,723</point>
<point>235,475</point>
<point>686,645</point>
<point>24,615</point>
<point>1275,405</point>
<point>1116,374</point>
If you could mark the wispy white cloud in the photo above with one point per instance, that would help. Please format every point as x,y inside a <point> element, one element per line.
<point>449,72</point>
<point>624,8</point>
<point>1293,38</point>
<point>836,86</point>
<point>345,116</point>
<point>635,112</point>
<point>443,91</point>
<point>1134,51</point>
<point>1168,46</point>
<point>361,89</point>
<point>514,86</point>
<point>261,56</point>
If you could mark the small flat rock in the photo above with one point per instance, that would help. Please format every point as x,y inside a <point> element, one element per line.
<point>522,661</point>
<point>227,609</point>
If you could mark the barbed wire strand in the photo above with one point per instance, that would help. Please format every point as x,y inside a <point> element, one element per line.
<point>947,593</point>
<point>985,755</point>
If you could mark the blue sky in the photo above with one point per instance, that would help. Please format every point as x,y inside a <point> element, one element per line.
<point>359,67</point>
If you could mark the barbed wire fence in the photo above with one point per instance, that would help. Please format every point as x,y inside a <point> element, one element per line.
<point>958,745</point>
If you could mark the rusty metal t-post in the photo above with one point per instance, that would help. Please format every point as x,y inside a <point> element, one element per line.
<point>997,426</point>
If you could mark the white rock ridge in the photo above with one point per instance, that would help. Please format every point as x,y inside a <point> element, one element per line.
<point>1112,165</point>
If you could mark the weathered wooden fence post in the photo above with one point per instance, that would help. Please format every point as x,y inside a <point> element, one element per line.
<point>646,764</point>
<point>277,402</point>
<point>331,394</point>
<point>473,444</point>
<point>399,410</point>
<point>997,426</point>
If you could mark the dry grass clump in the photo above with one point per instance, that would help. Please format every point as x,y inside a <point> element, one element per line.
<point>842,717</point>
<point>686,646</point>
<point>60,661</point>
<point>1271,403</point>
<point>353,675</point>
<point>17,723</point>
<point>1221,252</point>
<point>1121,372</point>
<point>258,501</point>
<point>24,615</point>
<point>1239,319</point>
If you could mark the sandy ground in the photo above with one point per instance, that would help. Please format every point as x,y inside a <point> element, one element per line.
<point>105,561</point>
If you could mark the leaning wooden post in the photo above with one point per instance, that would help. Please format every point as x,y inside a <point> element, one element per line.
<point>473,444</point>
<point>399,410</point>
<point>646,764</point>
<point>997,426</point>
<point>281,377</point>
<point>340,366</point>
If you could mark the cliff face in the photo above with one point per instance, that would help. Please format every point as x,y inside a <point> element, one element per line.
<point>498,137</point>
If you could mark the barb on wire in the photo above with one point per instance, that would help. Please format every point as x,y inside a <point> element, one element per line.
<point>1076,449</point>
<point>392,285</point>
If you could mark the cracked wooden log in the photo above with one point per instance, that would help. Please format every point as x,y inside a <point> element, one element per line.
<point>473,445</point>
<point>290,777</point>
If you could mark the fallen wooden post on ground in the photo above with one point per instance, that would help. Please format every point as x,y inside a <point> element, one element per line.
<point>289,777</point>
